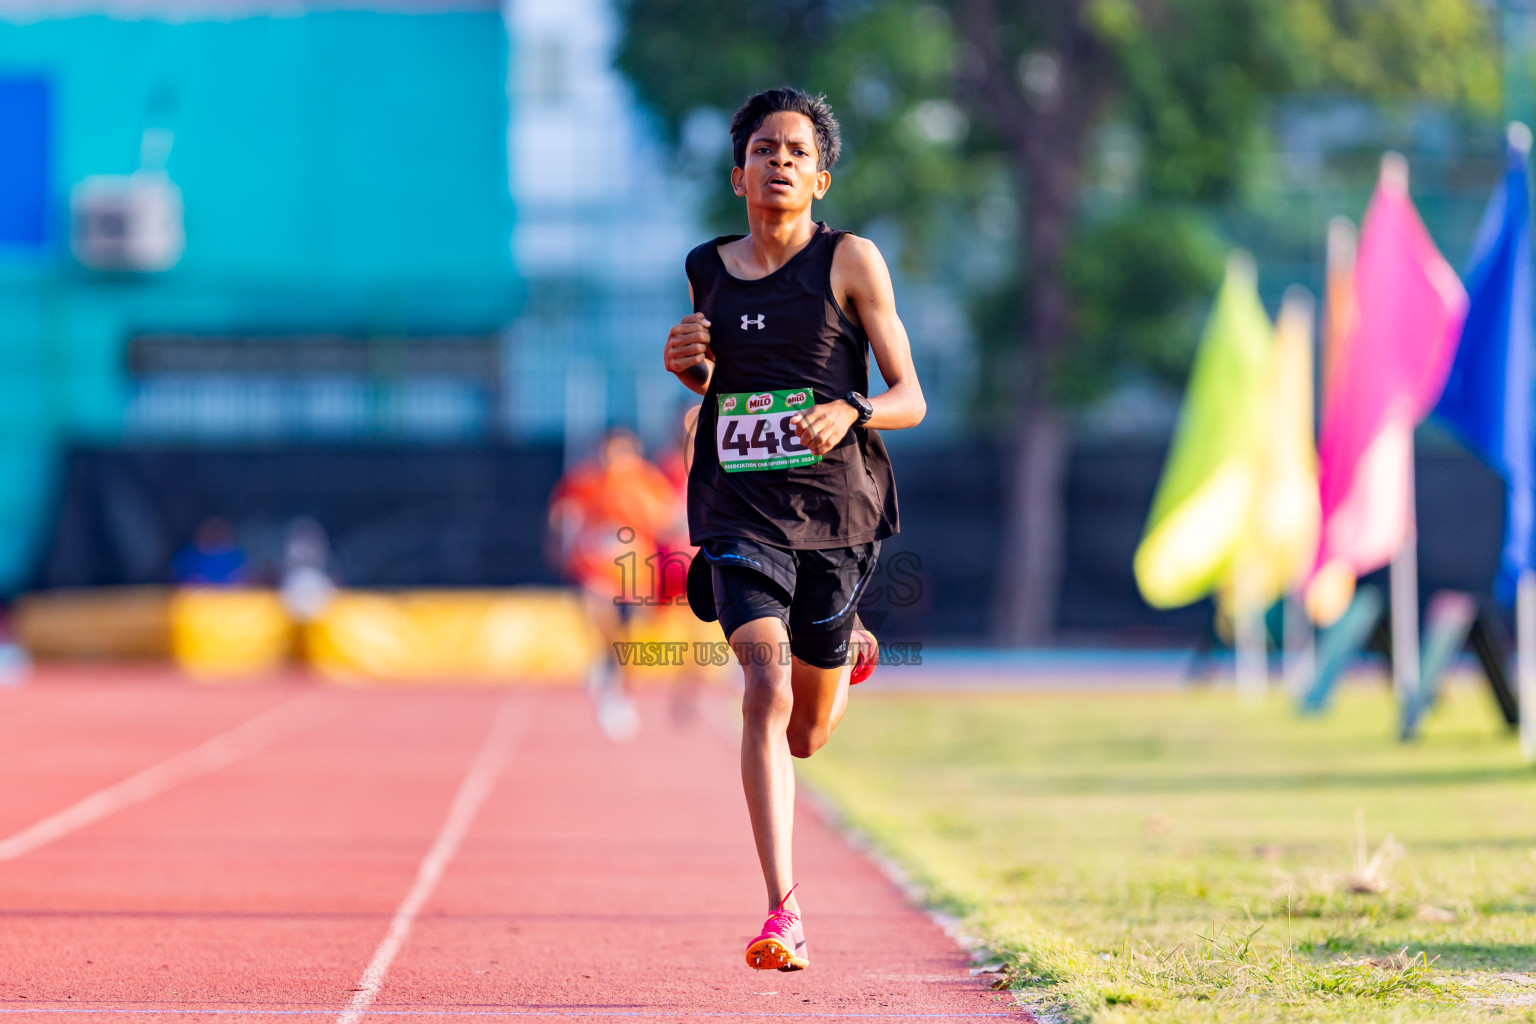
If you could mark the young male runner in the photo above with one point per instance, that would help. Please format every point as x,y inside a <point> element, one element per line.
<point>790,492</point>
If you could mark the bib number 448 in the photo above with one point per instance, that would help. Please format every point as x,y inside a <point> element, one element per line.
<point>754,431</point>
<point>764,438</point>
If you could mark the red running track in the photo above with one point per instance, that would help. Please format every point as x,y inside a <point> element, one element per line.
<point>286,851</point>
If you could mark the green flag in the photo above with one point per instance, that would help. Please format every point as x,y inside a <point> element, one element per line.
<point>1204,502</point>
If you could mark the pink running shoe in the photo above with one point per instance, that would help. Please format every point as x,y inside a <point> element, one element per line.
<point>781,946</point>
<point>869,655</point>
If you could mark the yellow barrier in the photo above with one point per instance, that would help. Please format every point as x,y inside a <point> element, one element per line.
<point>95,624</point>
<point>218,633</point>
<point>675,624</point>
<point>485,636</point>
<point>459,636</point>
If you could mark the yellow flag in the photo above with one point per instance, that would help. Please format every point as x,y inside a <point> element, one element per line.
<point>1203,508</point>
<point>1287,512</point>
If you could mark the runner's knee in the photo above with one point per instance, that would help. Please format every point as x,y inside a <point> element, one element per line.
<point>806,740</point>
<point>768,694</point>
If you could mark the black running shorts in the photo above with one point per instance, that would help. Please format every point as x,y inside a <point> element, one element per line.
<point>815,593</point>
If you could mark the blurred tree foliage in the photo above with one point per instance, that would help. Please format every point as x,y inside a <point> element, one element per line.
<point>991,122</point>
<point>888,68</point>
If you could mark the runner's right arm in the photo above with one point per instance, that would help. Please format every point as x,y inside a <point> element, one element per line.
<point>687,353</point>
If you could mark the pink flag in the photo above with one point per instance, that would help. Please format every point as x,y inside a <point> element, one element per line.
<point>1409,309</point>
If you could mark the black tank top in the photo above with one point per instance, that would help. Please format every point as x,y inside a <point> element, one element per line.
<point>785,331</point>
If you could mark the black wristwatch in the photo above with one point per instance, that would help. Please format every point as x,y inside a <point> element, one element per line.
<point>859,402</point>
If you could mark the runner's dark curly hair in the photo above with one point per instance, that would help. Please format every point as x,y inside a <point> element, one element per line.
<point>748,119</point>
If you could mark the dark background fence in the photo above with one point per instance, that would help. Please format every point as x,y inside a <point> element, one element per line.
<point>474,516</point>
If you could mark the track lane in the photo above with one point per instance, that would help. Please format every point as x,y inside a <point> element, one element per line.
<point>271,726</point>
<point>263,888</point>
<point>64,740</point>
<point>490,761</point>
<point>597,882</point>
<point>627,878</point>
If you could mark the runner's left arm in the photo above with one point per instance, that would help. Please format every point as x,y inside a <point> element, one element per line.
<point>862,283</point>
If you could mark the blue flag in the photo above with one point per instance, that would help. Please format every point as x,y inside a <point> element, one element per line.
<point>1487,397</point>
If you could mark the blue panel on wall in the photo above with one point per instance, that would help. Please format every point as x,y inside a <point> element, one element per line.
<point>25,111</point>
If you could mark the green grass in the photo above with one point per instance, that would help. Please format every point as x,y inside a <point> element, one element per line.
<point>1176,857</point>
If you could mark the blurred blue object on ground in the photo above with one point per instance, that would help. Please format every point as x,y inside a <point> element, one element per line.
<point>1340,644</point>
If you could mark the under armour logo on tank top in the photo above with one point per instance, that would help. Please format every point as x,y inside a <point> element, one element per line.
<point>753,321</point>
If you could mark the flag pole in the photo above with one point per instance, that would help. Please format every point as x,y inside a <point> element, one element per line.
<point>1525,660</point>
<point>1298,640</point>
<point>1248,632</point>
<point>1249,638</point>
<point>1403,576</point>
<point>1404,586</point>
<point>1518,136</point>
<point>1300,647</point>
<point>1342,242</point>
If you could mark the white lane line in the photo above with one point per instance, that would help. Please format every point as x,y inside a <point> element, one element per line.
<point>285,720</point>
<point>478,782</point>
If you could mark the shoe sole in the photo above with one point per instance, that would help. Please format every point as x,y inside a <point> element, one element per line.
<point>773,955</point>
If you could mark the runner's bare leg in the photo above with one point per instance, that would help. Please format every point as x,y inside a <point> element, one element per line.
<point>767,770</point>
<point>787,711</point>
<point>821,697</point>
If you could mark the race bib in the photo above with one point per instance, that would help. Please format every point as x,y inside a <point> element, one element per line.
<point>753,431</point>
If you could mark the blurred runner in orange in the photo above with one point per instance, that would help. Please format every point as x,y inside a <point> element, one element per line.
<point>676,550</point>
<point>675,556</point>
<point>605,517</point>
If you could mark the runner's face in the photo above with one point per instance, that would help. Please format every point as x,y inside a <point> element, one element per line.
<point>780,171</point>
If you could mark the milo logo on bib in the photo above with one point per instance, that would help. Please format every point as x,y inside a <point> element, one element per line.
<point>759,436</point>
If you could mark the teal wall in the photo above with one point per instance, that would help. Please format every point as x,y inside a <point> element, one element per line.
<point>340,172</point>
